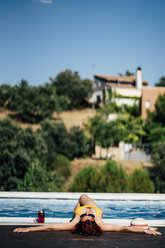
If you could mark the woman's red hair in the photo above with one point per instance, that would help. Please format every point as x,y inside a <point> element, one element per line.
<point>87,228</point>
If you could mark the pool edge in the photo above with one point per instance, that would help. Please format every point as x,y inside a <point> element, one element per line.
<point>30,221</point>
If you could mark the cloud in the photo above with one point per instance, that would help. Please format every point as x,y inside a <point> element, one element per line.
<point>44,1</point>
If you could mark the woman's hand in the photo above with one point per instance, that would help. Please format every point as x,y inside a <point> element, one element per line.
<point>18,230</point>
<point>153,232</point>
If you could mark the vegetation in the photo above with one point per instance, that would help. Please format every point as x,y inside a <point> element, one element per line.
<point>140,182</point>
<point>38,179</point>
<point>161,82</point>
<point>34,104</point>
<point>86,180</point>
<point>111,178</point>
<point>20,149</point>
<point>40,160</point>
<point>157,172</point>
<point>62,165</point>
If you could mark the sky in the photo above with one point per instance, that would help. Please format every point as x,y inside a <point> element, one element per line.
<point>41,38</point>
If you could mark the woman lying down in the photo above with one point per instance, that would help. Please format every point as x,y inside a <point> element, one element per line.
<point>87,220</point>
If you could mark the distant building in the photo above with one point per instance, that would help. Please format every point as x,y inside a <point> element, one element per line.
<point>127,89</point>
<point>149,98</point>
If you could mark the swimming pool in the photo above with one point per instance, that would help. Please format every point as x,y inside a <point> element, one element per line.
<point>61,205</point>
<point>63,208</point>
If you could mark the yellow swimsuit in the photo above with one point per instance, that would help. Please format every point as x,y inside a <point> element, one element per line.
<point>80,209</point>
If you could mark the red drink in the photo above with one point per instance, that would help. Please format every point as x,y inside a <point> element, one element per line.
<point>41,216</point>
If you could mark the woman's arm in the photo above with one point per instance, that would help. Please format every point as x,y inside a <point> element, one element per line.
<point>55,227</point>
<point>116,228</point>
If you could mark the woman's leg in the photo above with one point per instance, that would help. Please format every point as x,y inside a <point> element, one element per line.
<point>86,200</point>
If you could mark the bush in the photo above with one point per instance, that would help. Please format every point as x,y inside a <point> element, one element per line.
<point>78,143</point>
<point>113,178</point>
<point>140,182</point>
<point>37,179</point>
<point>62,165</point>
<point>14,159</point>
<point>110,178</point>
<point>86,180</point>
<point>157,172</point>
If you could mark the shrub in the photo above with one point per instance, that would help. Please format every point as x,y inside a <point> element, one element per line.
<point>86,180</point>
<point>113,178</point>
<point>37,179</point>
<point>157,172</point>
<point>62,165</point>
<point>140,182</point>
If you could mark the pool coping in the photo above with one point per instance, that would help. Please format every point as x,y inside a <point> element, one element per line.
<point>72,195</point>
<point>49,221</point>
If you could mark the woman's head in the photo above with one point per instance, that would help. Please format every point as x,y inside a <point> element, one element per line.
<point>87,228</point>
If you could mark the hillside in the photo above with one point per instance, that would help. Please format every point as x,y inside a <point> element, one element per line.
<point>77,118</point>
<point>70,118</point>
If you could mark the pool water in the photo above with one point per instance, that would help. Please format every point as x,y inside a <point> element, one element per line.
<point>61,208</point>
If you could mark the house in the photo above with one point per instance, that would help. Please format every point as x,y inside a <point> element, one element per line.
<point>124,89</point>
<point>149,98</point>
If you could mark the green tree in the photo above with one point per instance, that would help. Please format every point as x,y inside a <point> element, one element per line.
<point>77,143</point>
<point>56,138</point>
<point>161,82</point>
<point>140,182</point>
<point>134,129</point>
<point>5,93</point>
<point>94,127</point>
<point>158,114</point>
<point>18,147</point>
<point>32,104</point>
<point>70,85</point>
<point>113,178</point>
<point>155,133</point>
<point>62,165</point>
<point>14,159</point>
<point>37,179</point>
<point>86,180</point>
<point>157,172</point>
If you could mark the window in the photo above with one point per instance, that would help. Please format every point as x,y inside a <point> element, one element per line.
<point>147,104</point>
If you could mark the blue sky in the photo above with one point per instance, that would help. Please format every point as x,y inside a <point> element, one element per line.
<point>41,38</point>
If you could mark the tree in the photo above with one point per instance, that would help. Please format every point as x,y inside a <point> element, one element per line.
<point>94,127</point>
<point>14,159</point>
<point>62,165</point>
<point>128,73</point>
<point>31,104</point>
<point>37,179</point>
<point>157,172</point>
<point>158,115</point>
<point>161,82</point>
<point>18,147</point>
<point>76,90</point>
<point>134,129</point>
<point>86,180</point>
<point>56,138</point>
<point>140,182</point>
<point>78,143</point>
<point>155,133</point>
<point>5,93</point>
<point>113,178</point>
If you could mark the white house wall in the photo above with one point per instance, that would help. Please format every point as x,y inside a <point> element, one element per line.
<point>127,101</point>
<point>127,92</point>
<point>95,95</point>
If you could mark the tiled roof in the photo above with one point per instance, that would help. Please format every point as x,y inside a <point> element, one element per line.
<point>129,79</point>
